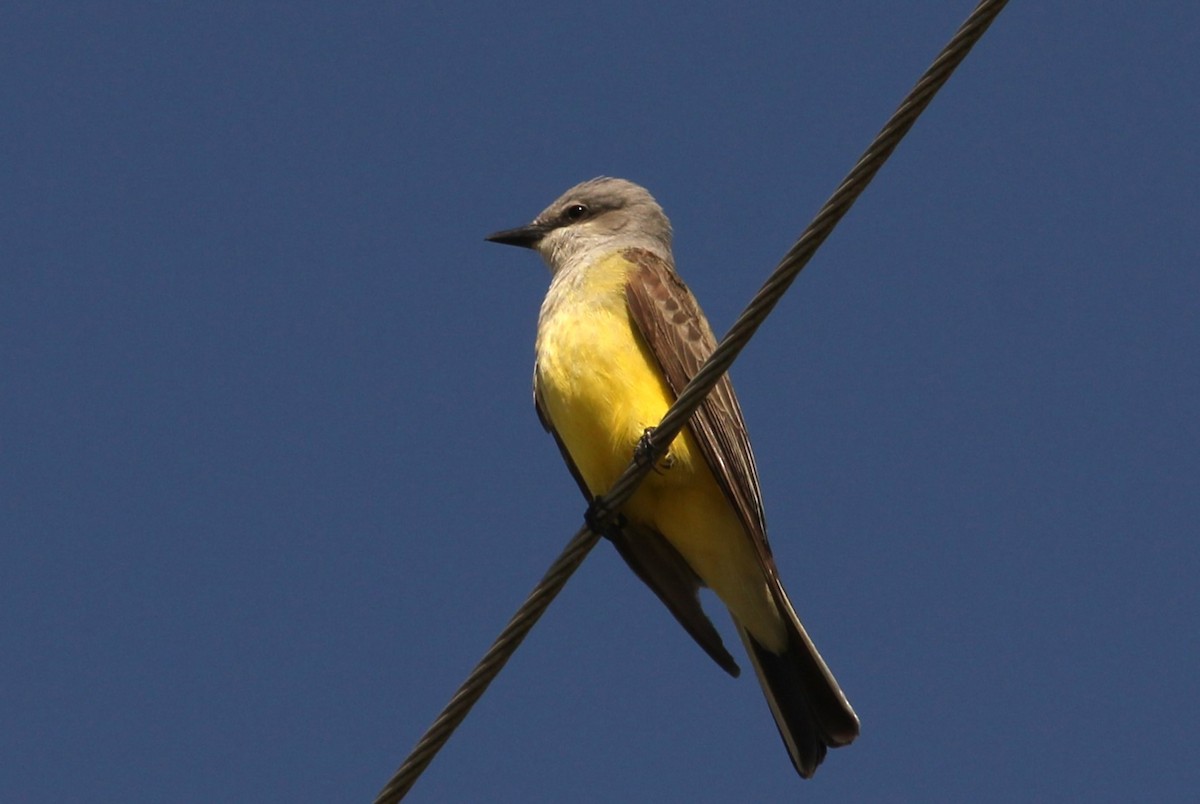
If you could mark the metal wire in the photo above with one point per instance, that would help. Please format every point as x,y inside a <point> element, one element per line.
<point>604,509</point>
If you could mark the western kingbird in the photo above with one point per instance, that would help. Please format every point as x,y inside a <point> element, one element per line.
<point>619,336</point>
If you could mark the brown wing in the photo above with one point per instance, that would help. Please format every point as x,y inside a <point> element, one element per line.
<point>657,563</point>
<point>808,705</point>
<point>678,335</point>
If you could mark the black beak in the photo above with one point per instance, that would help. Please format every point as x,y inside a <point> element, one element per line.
<point>524,236</point>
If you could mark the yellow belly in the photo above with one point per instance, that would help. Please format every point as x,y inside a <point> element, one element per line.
<point>601,388</point>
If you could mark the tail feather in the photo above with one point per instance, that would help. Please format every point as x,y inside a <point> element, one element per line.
<point>810,709</point>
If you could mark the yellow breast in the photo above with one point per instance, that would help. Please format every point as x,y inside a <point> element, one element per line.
<point>600,386</point>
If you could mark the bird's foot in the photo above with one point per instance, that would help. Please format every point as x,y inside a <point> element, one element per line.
<point>643,453</point>
<point>598,520</point>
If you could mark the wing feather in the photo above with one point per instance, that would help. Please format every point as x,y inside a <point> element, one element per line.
<point>679,337</point>
<point>810,708</point>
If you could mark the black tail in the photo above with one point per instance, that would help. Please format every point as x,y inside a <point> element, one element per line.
<point>810,709</point>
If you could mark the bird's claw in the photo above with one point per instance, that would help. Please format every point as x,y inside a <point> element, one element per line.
<point>596,514</point>
<point>643,453</point>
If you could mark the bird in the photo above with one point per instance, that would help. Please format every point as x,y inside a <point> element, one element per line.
<point>619,335</point>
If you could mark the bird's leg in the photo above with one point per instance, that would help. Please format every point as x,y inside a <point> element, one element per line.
<point>644,451</point>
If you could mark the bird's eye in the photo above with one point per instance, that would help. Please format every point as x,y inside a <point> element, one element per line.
<point>575,212</point>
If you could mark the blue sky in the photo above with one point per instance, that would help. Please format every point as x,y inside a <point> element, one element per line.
<point>270,476</point>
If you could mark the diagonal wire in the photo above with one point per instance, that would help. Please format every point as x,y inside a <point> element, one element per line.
<point>603,509</point>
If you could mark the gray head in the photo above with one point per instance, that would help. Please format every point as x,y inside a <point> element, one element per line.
<point>591,219</point>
